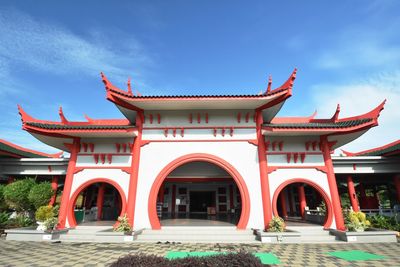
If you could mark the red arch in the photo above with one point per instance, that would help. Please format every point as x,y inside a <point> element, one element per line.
<point>71,204</point>
<point>244,217</point>
<point>329,217</point>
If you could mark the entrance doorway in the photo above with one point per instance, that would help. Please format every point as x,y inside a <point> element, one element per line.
<point>170,200</point>
<point>200,200</point>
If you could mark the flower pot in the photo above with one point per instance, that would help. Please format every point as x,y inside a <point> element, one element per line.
<point>41,226</point>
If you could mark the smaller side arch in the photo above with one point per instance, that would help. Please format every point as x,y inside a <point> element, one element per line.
<point>325,197</point>
<point>73,198</point>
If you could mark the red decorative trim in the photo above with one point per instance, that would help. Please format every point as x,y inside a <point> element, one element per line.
<point>215,132</point>
<point>284,153</point>
<point>231,131</point>
<point>274,143</point>
<point>203,127</point>
<point>85,147</point>
<point>190,117</point>
<point>151,118</point>
<point>196,180</point>
<point>124,169</point>
<point>267,145</point>
<point>74,197</point>
<point>314,145</point>
<point>206,117</point>
<point>124,148</point>
<point>302,157</point>
<point>294,119</point>
<point>247,117</point>
<point>118,147</point>
<point>244,217</point>
<point>49,168</point>
<point>62,117</point>
<point>96,158</point>
<point>166,132</point>
<point>325,197</point>
<point>295,157</point>
<point>158,118</point>
<point>130,147</point>
<point>198,118</point>
<point>182,132</point>
<point>239,116</point>
<point>288,157</point>
<point>145,142</point>
<point>109,158</point>
<point>253,142</point>
<point>280,145</point>
<point>103,158</point>
<point>223,132</point>
<point>308,143</point>
<point>174,132</point>
<point>274,168</point>
<point>354,167</point>
<point>199,140</point>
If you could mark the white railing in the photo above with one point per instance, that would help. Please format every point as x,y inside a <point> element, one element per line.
<point>381,211</point>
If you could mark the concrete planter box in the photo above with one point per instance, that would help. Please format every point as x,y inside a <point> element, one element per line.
<point>316,218</point>
<point>31,234</point>
<point>369,236</point>
<point>116,237</point>
<point>278,237</point>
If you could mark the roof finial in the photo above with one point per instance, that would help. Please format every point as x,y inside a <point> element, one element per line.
<point>129,86</point>
<point>24,116</point>
<point>269,84</point>
<point>62,117</point>
<point>335,116</point>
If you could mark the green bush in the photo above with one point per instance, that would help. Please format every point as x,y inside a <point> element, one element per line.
<point>3,205</point>
<point>20,220</point>
<point>226,259</point>
<point>16,194</point>
<point>4,216</point>
<point>123,224</point>
<point>40,194</point>
<point>384,222</point>
<point>277,224</point>
<point>44,212</point>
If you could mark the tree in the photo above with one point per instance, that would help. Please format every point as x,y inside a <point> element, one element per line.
<point>3,205</point>
<point>40,194</point>
<point>16,194</point>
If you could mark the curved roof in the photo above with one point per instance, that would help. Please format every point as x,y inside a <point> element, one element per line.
<point>8,149</point>
<point>391,149</point>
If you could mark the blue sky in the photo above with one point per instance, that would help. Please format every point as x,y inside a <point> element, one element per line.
<point>346,52</point>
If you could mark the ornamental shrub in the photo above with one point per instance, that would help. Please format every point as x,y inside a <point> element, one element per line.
<point>4,216</point>
<point>21,220</point>
<point>277,224</point>
<point>384,222</point>
<point>123,224</point>
<point>44,213</point>
<point>40,194</point>
<point>51,223</point>
<point>3,205</point>
<point>226,259</point>
<point>356,221</point>
<point>16,194</point>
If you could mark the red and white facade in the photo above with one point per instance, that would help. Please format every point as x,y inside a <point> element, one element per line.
<point>234,143</point>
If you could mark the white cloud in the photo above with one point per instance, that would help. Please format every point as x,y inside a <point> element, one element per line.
<point>360,97</point>
<point>54,49</point>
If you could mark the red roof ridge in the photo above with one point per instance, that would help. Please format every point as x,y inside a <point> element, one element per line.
<point>55,155</point>
<point>352,154</point>
<point>109,86</point>
<point>62,117</point>
<point>373,114</point>
<point>294,119</point>
<point>286,85</point>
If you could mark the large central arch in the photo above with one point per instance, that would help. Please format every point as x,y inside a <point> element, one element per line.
<point>244,217</point>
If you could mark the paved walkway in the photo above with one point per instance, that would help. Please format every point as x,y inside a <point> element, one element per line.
<point>13,253</point>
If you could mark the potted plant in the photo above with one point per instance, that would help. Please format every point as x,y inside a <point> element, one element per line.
<point>123,225</point>
<point>277,224</point>
<point>43,214</point>
<point>356,221</point>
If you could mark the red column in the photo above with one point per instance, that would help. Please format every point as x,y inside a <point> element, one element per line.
<point>54,186</point>
<point>62,216</point>
<point>282,197</point>
<point>161,194</point>
<point>397,185</point>
<point>337,208</point>
<point>173,199</point>
<point>134,170</point>
<point>352,194</point>
<point>302,200</point>
<point>262,159</point>
<point>100,200</point>
<point>290,197</point>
